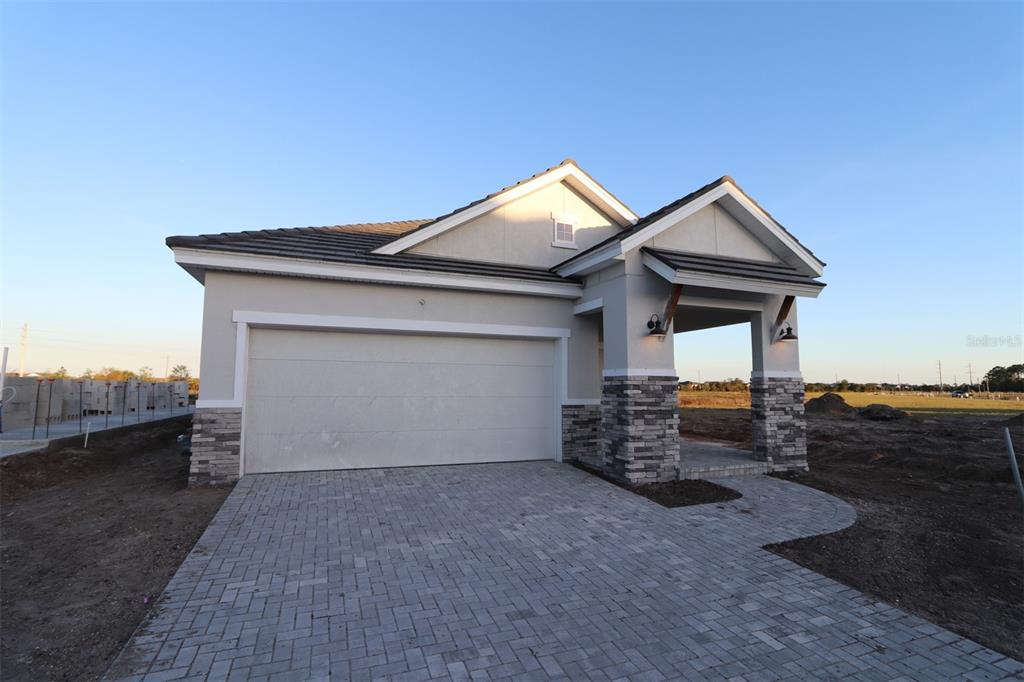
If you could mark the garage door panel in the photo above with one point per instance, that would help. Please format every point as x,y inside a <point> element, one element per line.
<point>329,400</point>
<point>361,451</point>
<point>279,344</point>
<point>315,378</point>
<point>356,414</point>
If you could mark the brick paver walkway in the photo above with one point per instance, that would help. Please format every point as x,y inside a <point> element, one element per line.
<point>524,571</point>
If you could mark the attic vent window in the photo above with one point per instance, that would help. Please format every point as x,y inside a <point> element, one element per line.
<point>565,236</point>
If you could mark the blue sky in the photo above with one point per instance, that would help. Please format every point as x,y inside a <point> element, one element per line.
<point>888,137</point>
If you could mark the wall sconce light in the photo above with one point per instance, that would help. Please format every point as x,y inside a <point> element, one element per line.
<point>658,331</point>
<point>787,334</point>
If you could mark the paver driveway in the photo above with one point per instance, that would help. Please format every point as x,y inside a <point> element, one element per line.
<point>525,571</point>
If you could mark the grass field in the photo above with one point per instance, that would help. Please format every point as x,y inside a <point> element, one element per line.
<point>919,404</point>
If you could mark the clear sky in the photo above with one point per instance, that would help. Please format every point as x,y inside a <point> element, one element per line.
<point>888,137</point>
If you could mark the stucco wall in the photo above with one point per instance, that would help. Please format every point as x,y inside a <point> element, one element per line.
<point>713,231</point>
<point>227,292</point>
<point>521,231</point>
<point>768,357</point>
<point>626,341</point>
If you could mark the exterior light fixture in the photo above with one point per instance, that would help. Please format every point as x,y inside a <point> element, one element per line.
<point>787,335</point>
<point>658,330</point>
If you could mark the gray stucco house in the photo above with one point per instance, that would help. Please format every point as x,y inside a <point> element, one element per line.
<point>529,324</point>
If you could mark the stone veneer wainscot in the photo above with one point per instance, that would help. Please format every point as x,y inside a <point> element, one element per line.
<point>581,434</point>
<point>216,445</point>
<point>640,428</point>
<point>780,430</point>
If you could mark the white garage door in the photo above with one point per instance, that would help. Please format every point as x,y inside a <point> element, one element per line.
<point>330,400</point>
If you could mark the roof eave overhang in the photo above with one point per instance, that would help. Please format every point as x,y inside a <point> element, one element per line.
<point>571,174</point>
<point>198,261</point>
<point>587,263</point>
<point>727,282</point>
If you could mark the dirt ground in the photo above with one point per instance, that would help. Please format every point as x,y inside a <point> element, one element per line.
<point>940,528</point>
<point>88,540</point>
<point>673,493</point>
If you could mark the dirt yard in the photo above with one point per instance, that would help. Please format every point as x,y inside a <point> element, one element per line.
<point>1009,403</point>
<point>940,528</point>
<point>672,494</point>
<point>89,538</point>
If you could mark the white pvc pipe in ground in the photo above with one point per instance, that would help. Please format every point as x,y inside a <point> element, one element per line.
<point>1013,462</point>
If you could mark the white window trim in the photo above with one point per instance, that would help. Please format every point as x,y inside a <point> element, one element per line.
<point>564,219</point>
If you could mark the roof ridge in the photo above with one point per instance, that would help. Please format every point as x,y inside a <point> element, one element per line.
<point>647,219</point>
<point>321,229</point>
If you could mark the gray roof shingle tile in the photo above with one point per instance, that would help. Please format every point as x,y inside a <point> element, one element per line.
<point>352,244</point>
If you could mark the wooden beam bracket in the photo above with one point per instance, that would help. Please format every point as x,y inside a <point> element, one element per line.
<point>670,307</point>
<point>780,319</point>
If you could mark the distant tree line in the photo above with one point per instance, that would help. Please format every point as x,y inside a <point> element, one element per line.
<point>1007,379</point>
<point>734,384</point>
<point>114,374</point>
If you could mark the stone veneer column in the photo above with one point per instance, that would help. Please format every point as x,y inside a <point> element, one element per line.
<point>216,445</point>
<point>640,428</point>
<point>780,430</point>
<point>581,434</point>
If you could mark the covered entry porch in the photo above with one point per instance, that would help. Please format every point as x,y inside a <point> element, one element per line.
<point>775,441</point>
<point>709,292</point>
<point>636,422</point>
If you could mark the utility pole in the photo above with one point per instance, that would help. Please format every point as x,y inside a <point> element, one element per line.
<point>23,350</point>
<point>970,375</point>
<point>940,376</point>
<point>899,382</point>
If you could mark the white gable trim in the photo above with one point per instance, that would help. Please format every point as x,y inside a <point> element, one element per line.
<point>600,257</point>
<point>198,260</point>
<point>570,173</point>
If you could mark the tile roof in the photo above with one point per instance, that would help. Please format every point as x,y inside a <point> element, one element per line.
<point>660,213</point>
<point>732,267</point>
<point>352,244</point>
<point>565,162</point>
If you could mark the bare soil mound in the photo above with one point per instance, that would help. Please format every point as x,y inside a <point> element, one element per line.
<point>881,413</point>
<point>829,403</point>
<point>1015,421</point>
